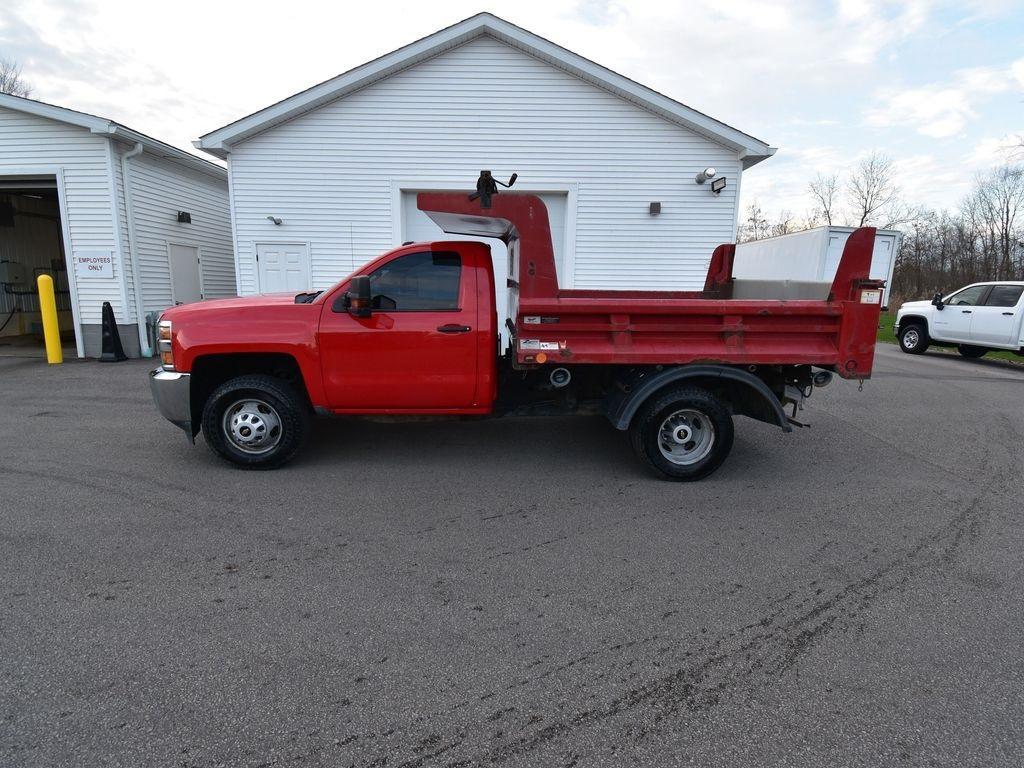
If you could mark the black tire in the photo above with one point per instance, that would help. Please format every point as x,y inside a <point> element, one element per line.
<point>257,402</point>
<point>971,352</point>
<point>647,438</point>
<point>914,339</point>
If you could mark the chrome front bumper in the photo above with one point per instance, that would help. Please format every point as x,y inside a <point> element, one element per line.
<point>172,397</point>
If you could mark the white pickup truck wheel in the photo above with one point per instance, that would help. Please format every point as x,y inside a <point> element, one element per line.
<point>914,339</point>
<point>971,352</point>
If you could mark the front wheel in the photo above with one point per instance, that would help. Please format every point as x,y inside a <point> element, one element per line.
<point>914,339</point>
<point>683,434</point>
<point>255,422</point>
<point>971,352</point>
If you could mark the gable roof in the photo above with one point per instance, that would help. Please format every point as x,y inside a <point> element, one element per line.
<point>102,126</point>
<point>219,142</point>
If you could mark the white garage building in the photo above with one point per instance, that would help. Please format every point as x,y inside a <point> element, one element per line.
<point>113,215</point>
<point>326,179</point>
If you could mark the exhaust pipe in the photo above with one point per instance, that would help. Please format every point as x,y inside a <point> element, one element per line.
<point>560,377</point>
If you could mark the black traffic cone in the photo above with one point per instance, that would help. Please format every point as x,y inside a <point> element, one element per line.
<point>113,352</point>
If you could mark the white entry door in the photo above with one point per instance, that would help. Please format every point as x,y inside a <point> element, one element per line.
<point>418,227</point>
<point>186,281</point>
<point>283,267</point>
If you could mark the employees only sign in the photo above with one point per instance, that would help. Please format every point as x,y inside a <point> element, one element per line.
<point>94,264</point>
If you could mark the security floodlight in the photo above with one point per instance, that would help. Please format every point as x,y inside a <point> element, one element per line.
<point>707,173</point>
<point>718,185</point>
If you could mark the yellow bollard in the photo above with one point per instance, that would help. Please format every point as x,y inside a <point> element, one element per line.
<point>51,330</point>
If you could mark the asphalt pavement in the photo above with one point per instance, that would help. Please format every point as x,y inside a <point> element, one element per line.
<point>517,592</point>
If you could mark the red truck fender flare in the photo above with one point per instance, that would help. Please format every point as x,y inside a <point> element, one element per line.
<point>623,407</point>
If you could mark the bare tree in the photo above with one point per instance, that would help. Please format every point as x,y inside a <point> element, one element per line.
<point>1017,150</point>
<point>897,215</point>
<point>825,191</point>
<point>785,223</point>
<point>755,224</point>
<point>11,81</point>
<point>870,190</point>
<point>999,202</point>
<point>982,241</point>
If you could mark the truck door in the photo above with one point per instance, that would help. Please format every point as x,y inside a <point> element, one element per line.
<point>953,321</point>
<point>997,320</point>
<point>417,351</point>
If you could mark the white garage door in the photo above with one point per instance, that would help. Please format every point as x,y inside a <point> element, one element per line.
<point>417,226</point>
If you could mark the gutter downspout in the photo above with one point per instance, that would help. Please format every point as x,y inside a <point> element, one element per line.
<point>144,349</point>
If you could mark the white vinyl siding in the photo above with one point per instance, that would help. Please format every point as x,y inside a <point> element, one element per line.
<point>86,167</point>
<point>160,188</point>
<point>27,141</point>
<point>328,173</point>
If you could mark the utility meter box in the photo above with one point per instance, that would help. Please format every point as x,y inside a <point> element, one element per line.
<point>13,273</point>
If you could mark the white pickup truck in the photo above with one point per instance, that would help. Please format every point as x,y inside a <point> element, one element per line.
<point>976,319</point>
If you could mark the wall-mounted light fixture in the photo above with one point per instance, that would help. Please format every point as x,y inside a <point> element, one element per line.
<point>655,209</point>
<point>707,173</point>
<point>718,185</point>
<point>184,217</point>
<point>277,221</point>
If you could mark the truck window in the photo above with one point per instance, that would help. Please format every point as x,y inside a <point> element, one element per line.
<point>418,282</point>
<point>1004,296</point>
<point>968,297</point>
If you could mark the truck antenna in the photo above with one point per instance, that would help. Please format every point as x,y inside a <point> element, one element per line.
<point>487,186</point>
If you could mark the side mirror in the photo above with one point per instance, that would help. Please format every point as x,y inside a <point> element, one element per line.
<point>358,296</point>
<point>937,301</point>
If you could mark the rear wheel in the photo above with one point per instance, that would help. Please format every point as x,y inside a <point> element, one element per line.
<point>914,339</point>
<point>971,352</point>
<point>683,434</point>
<point>256,422</point>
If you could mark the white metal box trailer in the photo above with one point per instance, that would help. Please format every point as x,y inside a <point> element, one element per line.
<point>812,256</point>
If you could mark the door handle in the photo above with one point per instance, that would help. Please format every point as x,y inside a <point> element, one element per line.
<point>1008,314</point>
<point>454,328</point>
<point>966,311</point>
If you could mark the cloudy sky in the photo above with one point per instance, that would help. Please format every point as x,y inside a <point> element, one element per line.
<point>939,86</point>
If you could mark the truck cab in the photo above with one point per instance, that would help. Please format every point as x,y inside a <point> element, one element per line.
<point>425,343</point>
<point>975,319</point>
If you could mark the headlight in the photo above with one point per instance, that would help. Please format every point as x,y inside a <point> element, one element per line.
<point>164,345</point>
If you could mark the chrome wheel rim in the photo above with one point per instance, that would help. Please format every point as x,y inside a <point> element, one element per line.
<point>686,436</point>
<point>911,338</point>
<point>252,425</point>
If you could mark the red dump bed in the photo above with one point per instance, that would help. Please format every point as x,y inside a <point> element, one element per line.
<point>556,325</point>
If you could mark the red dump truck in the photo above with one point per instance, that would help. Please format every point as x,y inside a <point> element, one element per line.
<point>416,332</point>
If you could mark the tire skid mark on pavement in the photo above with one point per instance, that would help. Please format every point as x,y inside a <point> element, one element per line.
<point>755,654</point>
<point>138,494</point>
<point>130,476</point>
